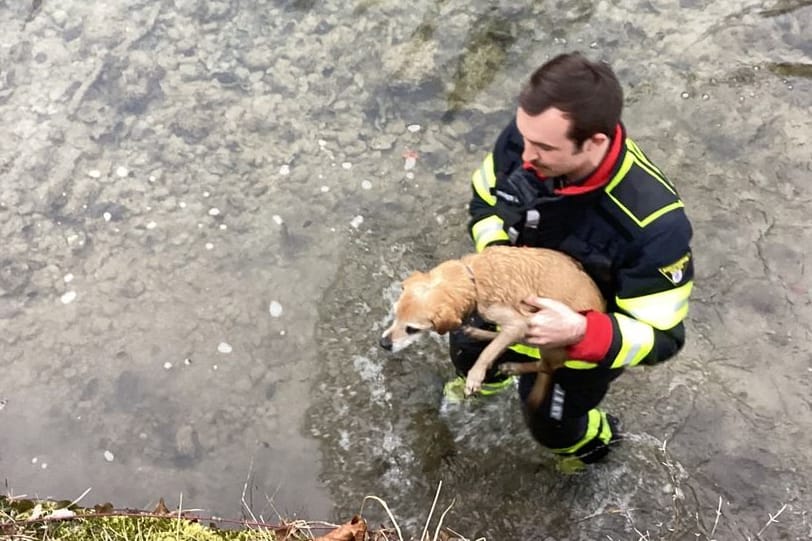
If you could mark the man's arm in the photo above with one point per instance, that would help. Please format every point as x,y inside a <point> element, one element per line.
<point>652,301</point>
<point>487,225</point>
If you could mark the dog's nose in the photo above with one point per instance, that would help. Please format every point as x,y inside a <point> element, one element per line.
<point>386,343</point>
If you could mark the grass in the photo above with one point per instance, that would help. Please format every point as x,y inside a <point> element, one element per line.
<point>23,519</point>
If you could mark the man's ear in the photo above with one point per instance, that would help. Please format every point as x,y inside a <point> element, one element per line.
<point>596,140</point>
<point>445,319</point>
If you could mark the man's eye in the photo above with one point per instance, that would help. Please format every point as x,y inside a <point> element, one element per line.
<point>412,330</point>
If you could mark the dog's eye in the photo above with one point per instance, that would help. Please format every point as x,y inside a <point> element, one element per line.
<point>412,330</point>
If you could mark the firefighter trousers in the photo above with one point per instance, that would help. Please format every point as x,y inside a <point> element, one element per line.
<point>568,421</point>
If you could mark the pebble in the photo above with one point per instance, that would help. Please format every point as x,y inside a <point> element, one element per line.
<point>224,347</point>
<point>152,225</point>
<point>182,205</point>
<point>187,361</point>
<point>275,309</point>
<point>107,216</point>
<point>68,297</point>
<point>410,162</point>
<point>325,189</point>
<point>357,221</point>
<point>685,95</point>
<point>94,173</point>
<point>109,456</point>
<point>414,128</point>
<point>122,171</point>
<point>705,97</point>
<point>34,460</point>
<point>68,278</point>
<point>284,170</point>
<point>167,365</point>
<point>209,246</point>
<point>43,465</point>
<point>214,212</point>
<point>3,404</point>
<point>346,165</point>
<point>366,185</point>
<point>152,178</point>
<point>223,227</point>
<point>206,194</point>
<point>277,219</point>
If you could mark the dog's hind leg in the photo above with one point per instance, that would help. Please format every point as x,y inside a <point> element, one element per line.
<point>516,369</point>
<point>550,361</point>
<point>479,334</point>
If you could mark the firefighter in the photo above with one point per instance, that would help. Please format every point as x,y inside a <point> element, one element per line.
<point>564,175</point>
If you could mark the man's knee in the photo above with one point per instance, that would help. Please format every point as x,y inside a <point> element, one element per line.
<point>587,437</point>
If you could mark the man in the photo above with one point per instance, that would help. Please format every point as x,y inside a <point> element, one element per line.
<point>563,175</point>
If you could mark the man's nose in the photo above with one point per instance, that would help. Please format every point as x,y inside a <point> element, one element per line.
<point>386,343</point>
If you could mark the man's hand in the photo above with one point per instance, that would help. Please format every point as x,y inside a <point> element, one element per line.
<point>554,325</point>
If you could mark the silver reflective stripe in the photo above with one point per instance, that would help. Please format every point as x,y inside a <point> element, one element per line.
<point>557,405</point>
<point>630,355</point>
<point>513,235</point>
<point>532,220</point>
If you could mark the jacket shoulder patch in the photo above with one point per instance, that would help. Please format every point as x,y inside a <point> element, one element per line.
<point>675,272</point>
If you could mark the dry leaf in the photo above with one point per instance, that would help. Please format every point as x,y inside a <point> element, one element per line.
<point>354,530</point>
<point>161,508</point>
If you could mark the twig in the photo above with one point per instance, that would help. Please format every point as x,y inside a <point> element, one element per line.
<point>440,522</point>
<point>718,514</point>
<point>388,512</point>
<point>772,520</point>
<point>180,506</point>
<point>77,500</point>
<point>431,512</point>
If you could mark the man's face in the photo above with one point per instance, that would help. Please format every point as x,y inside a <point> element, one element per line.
<point>546,145</point>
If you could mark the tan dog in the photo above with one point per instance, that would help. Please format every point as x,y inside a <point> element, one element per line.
<point>493,283</point>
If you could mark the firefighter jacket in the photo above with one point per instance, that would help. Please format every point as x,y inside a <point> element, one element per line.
<point>627,226</point>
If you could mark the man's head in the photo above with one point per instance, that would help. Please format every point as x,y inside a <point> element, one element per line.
<point>568,112</point>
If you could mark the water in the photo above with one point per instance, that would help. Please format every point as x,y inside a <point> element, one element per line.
<point>127,123</point>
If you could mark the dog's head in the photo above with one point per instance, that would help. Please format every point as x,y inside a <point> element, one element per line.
<point>433,301</point>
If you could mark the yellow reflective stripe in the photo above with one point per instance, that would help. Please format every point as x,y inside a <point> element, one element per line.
<point>662,310</point>
<point>628,160</point>
<point>654,215</point>
<point>637,341</point>
<point>488,230</point>
<point>646,164</point>
<point>524,349</point>
<point>580,365</point>
<point>483,179</point>
<point>595,418</point>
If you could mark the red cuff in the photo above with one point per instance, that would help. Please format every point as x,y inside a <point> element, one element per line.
<point>597,339</point>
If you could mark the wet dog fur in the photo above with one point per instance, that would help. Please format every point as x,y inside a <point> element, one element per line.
<point>493,283</point>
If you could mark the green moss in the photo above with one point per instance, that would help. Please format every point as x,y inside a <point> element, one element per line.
<point>483,57</point>
<point>791,69</point>
<point>27,519</point>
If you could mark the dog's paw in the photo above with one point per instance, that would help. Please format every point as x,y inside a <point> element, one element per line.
<point>473,383</point>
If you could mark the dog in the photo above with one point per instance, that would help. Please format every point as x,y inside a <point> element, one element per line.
<point>495,284</point>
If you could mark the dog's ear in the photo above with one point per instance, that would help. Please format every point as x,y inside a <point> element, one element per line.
<point>445,319</point>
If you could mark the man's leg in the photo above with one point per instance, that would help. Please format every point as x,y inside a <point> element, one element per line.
<point>569,422</point>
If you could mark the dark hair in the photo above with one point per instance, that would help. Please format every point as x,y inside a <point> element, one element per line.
<point>587,92</point>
